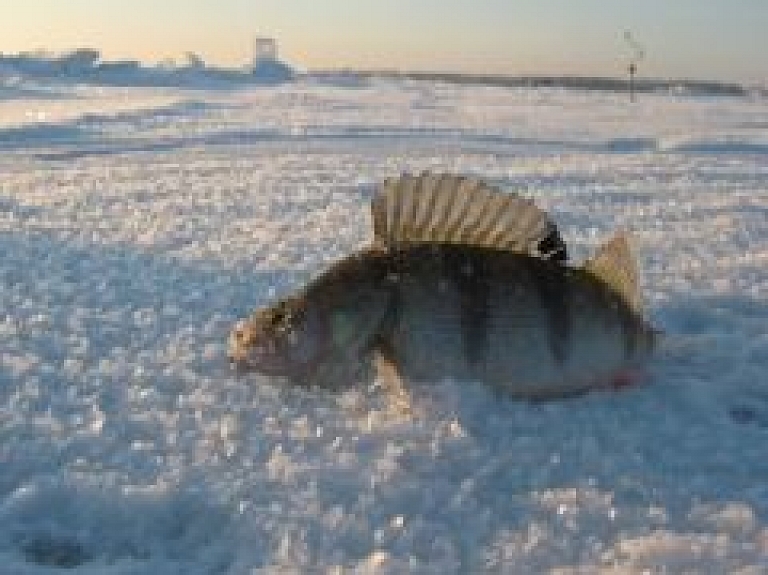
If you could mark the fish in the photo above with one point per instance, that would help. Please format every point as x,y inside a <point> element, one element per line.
<point>465,281</point>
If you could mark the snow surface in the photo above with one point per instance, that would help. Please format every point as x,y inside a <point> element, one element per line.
<point>136,226</point>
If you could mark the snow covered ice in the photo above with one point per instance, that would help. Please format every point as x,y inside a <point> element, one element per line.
<point>138,224</point>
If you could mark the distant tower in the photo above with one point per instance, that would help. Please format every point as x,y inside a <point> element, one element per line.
<point>266,68</point>
<point>264,50</point>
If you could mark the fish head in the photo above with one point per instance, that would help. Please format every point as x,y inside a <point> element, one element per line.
<point>284,339</point>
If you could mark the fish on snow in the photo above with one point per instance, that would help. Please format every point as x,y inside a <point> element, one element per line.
<point>462,281</point>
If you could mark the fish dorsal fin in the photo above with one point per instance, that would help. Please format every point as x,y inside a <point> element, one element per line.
<point>445,208</point>
<point>614,265</point>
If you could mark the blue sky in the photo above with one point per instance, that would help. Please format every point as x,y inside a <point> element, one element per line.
<point>711,39</point>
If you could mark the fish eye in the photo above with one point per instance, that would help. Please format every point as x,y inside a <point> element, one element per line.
<point>279,314</point>
<point>286,315</point>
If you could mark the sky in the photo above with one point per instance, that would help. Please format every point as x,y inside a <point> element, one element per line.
<point>722,40</point>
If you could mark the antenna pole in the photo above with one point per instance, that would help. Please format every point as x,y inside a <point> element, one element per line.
<point>638,53</point>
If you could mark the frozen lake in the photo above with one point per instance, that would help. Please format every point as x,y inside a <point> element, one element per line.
<point>137,225</point>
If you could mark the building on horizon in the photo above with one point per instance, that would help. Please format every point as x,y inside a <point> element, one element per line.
<point>267,66</point>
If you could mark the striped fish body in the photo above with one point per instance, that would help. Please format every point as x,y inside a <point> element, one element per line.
<point>527,326</point>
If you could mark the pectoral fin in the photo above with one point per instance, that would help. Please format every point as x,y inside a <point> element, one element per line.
<point>390,378</point>
<point>356,324</point>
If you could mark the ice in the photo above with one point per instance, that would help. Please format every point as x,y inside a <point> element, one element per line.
<point>85,66</point>
<point>137,225</point>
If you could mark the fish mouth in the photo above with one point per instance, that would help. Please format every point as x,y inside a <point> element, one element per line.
<point>242,363</point>
<point>243,366</point>
<point>260,360</point>
<point>242,359</point>
<point>238,365</point>
<point>245,354</point>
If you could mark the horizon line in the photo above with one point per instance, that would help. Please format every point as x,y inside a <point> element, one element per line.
<point>414,73</point>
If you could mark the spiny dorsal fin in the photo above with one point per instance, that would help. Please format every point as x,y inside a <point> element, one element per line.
<point>445,208</point>
<point>614,265</point>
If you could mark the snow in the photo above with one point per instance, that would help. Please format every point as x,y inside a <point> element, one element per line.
<point>138,224</point>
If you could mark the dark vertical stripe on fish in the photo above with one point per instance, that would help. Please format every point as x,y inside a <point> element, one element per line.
<point>552,286</point>
<point>629,330</point>
<point>471,280</point>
